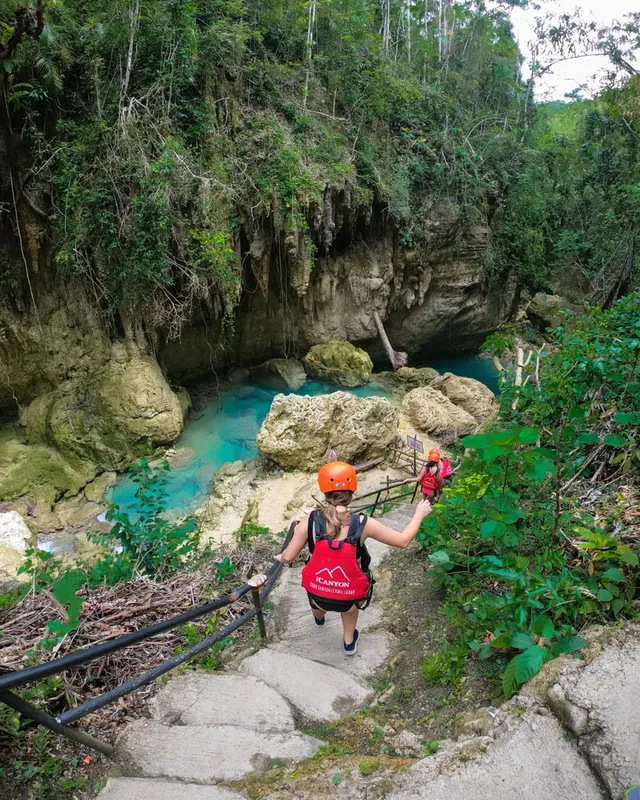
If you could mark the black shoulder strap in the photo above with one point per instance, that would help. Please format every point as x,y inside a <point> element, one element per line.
<point>316,528</point>
<point>356,528</point>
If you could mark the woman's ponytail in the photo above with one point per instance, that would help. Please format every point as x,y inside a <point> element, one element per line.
<point>336,518</point>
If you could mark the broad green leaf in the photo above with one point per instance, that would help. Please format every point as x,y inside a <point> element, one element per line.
<point>587,438</point>
<point>529,663</point>
<point>509,682</point>
<point>627,556</point>
<point>614,574</point>
<point>476,442</point>
<point>485,652</point>
<point>542,626</point>
<point>615,439</point>
<point>440,557</point>
<point>625,417</point>
<point>521,641</point>
<point>493,452</point>
<point>528,436</point>
<point>487,528</point>
<point>569,645</point>
<point>617,605</point>
<point>604,596</point>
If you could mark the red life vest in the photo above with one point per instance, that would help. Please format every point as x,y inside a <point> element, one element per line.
<point>333,571</point>
<point>433,483</point>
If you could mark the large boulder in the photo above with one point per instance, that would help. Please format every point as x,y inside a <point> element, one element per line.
<point>299,431</point>
<point>110,419</point>
<point>285,372</point>
<point>468,393</point>
<point>405,379</point>
<point>339,362</point>
<point>15,538</point>
<point>550,310</point>
<point>432,412</point>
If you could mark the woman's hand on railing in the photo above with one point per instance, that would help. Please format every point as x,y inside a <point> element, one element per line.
<point>423,509</point>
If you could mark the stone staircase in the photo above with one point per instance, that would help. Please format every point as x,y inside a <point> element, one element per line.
<point>206,728</point>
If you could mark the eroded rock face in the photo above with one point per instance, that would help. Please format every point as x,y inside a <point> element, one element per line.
<point>432,412</point>
<point>339,362</point>
<point>282,372</point>
<point>299,431</point>
<point>471,395</point>
<point>108,419</point>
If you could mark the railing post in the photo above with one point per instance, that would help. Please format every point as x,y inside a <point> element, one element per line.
<point>256,582</point>
<point>42,718</point>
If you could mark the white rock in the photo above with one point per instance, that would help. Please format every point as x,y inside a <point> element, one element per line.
<point>15,538</point>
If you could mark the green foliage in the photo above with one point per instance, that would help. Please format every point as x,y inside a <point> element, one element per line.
<point>518,557</point>
<point>150,543</point>
<point>160,173</point>
<point>250,531</point>
<point>147,542</point>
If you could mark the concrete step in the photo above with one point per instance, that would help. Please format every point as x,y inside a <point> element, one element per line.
<point>203,754</point>
<point>320,692</point>
<point>325,646</point>
<point>150,789</point>
<point>199,698</point>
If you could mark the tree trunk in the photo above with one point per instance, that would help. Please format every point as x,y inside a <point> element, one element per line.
<point>397,359</point>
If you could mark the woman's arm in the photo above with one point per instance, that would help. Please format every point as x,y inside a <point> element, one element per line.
<point>420,476</point>
<point>297,543</point>
<point>376,530</point>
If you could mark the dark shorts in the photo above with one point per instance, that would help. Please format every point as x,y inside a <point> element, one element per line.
<point>334,605</point>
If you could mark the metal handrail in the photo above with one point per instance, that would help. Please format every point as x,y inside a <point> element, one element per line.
<point>386,501</point>
<point>22,677</point>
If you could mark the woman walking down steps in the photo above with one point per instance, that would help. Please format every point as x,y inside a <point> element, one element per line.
<point>336,576</point>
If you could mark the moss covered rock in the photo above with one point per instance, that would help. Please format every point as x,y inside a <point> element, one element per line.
<point>339,362</point>
<point>39,471</point>
<point>110,419</point>
<point>432,412</point>
<point>282,372</point>
<point>299,431</point>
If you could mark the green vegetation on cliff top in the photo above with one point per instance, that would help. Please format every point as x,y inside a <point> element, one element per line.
<point>159,135</point>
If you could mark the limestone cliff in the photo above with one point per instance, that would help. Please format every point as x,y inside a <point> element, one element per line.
<point>433,302</point>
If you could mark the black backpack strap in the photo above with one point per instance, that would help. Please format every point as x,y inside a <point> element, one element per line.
<point>311,539</point>
<point>316,529</point>
<point>356,527</point>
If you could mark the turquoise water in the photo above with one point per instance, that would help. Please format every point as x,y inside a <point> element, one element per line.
<point>224,429</point>
<point>226,426</point>
<point>479,367</point>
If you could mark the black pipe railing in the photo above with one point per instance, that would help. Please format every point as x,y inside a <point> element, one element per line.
<point>23,677</point>
<point>383,501</point>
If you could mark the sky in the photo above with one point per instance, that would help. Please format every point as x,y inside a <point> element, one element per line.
<point>576,74</point>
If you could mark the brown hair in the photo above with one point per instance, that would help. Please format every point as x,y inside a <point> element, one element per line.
<point>336,520</point>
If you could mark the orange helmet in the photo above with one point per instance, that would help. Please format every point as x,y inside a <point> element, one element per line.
<point>336,476</point>
<point>434,455</point>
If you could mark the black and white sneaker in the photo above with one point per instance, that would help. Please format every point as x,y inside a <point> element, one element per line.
<point>351,649</point>
<point>320,621</point>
